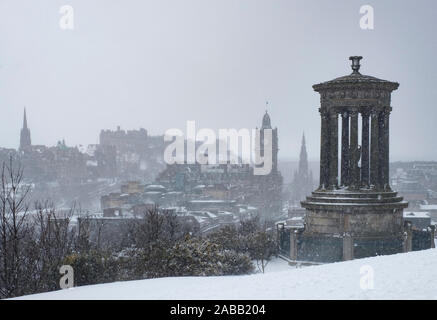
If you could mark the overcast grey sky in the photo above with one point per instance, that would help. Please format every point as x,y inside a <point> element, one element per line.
<point>158,63</point>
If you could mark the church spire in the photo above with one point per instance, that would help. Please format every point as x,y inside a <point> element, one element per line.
<point>24,119</point>
<point>266,123</point>
<point>25,142</point>
<point>303,158</point>
<point>303,177</point>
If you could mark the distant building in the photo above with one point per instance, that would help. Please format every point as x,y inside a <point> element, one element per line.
<point>419,220</point>
<point>138,155</point>
<point>303,182</point>
<point>230,182</point>
<point>123,141</point>
<point>267,189</point>
<point>431,209</point>
<point>25,141</point>
<point>66,165</point>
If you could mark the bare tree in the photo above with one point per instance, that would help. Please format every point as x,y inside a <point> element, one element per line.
<point>33,244</point>
<point>52,241</point>
<point>14,228</point>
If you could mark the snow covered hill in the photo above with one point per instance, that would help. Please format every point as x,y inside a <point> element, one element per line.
<point>403,276</point>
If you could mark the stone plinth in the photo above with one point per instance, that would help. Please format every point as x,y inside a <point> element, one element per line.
<point>373,221</point>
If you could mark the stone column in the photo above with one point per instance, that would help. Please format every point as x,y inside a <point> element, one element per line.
<point>348,242</point>
<point>408,237</point>
<point>385,138</point>
<point>293,244</point>
<point>324,150</point>
<point>333,146</point>
<point>355,152</point>
<point>382,149</point>
<point>374,150</point>
<point>345,149</point>
<point>365,150</point>
<point>348,247</point>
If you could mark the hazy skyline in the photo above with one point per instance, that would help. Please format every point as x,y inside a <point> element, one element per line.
<point>156,64</point>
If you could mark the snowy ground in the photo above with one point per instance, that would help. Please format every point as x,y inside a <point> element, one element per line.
<point>403,276</point>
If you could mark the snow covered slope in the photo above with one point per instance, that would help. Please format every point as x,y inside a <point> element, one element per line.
<point>403,276</point>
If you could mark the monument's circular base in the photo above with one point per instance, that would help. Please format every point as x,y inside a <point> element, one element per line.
<point>344,224</point>
<point>358,213</point>
<point>323,248</point>
<point>354,201</point>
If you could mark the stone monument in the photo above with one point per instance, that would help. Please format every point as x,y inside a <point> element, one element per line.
<point>354,213</point>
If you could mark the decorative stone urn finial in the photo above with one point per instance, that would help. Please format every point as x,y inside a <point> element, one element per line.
<point>355,63</point>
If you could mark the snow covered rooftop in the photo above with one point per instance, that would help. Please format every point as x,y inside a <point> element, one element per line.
<point>420,214</point>
<point>384,277</point>
<point>428,207</point>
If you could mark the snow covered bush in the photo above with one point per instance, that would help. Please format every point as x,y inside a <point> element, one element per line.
<point>191,256</point>
<point>93,267</point>
<point>251,238</point>
<point>201,257</point>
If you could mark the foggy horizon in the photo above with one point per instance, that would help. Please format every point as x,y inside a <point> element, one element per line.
<point>157,64</point>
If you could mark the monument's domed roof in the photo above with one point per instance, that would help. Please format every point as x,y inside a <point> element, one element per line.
<point>356,78</point>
